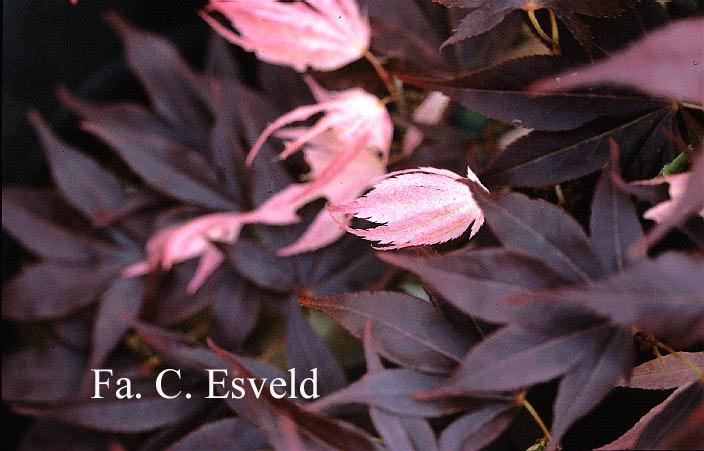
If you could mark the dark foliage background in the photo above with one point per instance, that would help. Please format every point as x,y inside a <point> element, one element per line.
<point>47,45</point>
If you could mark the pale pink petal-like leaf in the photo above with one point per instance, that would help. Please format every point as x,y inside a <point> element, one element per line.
<point>354,115</point>
<point>416,207</point>
<point>321,34</point>
<point>663,64</point>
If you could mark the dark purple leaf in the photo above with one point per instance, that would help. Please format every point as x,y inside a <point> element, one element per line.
<point>235,310</point>
<point>175,304</point>
<point>476,430</point>
<point>661,64</point>
<point>407,330</point>
<point>479,281</point>
<point>661,296</point>
<point>121,416</point>
<point>392,391</point>
<point>322,430</point>
<point>305,351</point>
<point>219,64</point>
<point>585,385</point>
<point>44,373</point>
<point>497,92</point>
<point>74,331</point>
<point>544,158</point>
<point>654,429</point>
<point>399,432</point>
<point>228,434</point>
<point>49,291</point>
<point>515,357</point>
<point>38,234</point>
<point>544,231</point>
<point>119,305</point>
<point>665,372</point>
<point>262,267</point>
<point>614,224</point>
<point>150,149</point>
<point>485,15</point>
<point>89,187</point>
<point>176,93</point>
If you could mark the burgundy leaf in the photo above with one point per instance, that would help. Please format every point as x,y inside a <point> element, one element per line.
<point>476,430</point>
<point>262,267</point>
<point>119,305</point>
<point>175,304</point>
<point>44,373</point>
<point>585,385</point>
<point>228,434</point>
<point>654,429</point>
<point>544,231</point>
<point>321,429</point>
<point>542,158</point>
<point>235,309</point>
<point>614,224</point>
<point>665,372</point>
<point>392,391</point>
<point>150,149</point>
<point>219,64</point>
<point>498,92</point>
<point>306,351</point>
<point>120,416</point>
<point>176,93</point>
<point>48,291</point>
<point>472,281</point>
<point>407,330</point>
<point>399,432</point>
<point>662,64</point>
<point>89,187</point>
<point>660,296</point>
<point>485,15</point>
<point>36,233</point>
<point>515,357</point>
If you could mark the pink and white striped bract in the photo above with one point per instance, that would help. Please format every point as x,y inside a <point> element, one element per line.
<point>322,34</point>
<point>416,207</point>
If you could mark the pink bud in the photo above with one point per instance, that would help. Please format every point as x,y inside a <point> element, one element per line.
<point>416,207</point>
<point>322,34</point>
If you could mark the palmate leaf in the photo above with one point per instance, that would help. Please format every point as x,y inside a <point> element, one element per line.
<point>544,157</point>
<point>486,14</point>
<point>661,296</point>
<point>542,230</point>
<point>305,351</point>
<point>318,430</point>
<point>663,424</point>
<point>399,432</point>
<point>665,372</point>
<point>407,330</point>
<point>469,279</point>
<point>499,93</point>
<point>662,64</point>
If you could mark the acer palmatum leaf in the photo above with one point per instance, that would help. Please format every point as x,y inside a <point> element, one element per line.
<point>354,115</point>
<point>416,207</point>
<point>321,34</point>
<point>663,64</point>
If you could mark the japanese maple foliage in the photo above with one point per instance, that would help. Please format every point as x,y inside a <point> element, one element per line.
<point>523,286</point>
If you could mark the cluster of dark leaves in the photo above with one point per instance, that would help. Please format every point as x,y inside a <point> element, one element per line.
<point>534,300</point>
